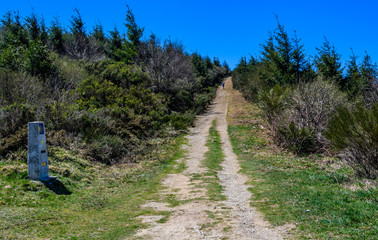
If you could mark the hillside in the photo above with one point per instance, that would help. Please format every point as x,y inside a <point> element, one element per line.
<point>146,140</point>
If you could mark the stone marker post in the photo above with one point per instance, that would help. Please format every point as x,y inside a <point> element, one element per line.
<point>38,165</point>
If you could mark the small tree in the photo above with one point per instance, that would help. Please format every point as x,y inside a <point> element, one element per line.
<point>37,62</point>
<point>369,73</point>
<point>115,45</point>
<point>300,64</point>
<point>328,63</point>
<point>355,83</point>
<point>33,26</point>
<point>56,40</point>
<point>134,32</point>
<point>284,61</point>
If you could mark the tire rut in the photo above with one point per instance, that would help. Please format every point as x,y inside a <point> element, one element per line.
<point>198,217</point>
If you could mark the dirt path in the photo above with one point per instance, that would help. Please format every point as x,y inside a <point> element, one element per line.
<point>197,217</point>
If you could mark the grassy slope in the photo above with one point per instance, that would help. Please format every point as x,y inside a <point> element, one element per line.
<point>104,202</point>
<point>312,192</point>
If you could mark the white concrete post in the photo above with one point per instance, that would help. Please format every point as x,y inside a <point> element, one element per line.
<point>38,165</point>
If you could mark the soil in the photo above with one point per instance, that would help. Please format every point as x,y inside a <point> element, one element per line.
<point>197,217</point>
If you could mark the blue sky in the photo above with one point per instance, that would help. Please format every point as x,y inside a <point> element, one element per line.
<point>228,29</point>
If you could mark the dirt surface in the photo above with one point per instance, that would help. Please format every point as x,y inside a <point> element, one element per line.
<point>197,217</point>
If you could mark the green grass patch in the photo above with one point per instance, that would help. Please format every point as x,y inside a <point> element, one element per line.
<point>305,191</point>
<point>104,202</point>
<point>213,159</point>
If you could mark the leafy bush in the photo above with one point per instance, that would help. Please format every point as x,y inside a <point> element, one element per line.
<point>272,102</point>
<point>355,134</point>
<point>298,140</point>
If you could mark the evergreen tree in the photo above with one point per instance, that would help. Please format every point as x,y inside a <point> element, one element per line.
<point>98,37</point>
<point>77,44</point>
<point>13,32</point>
<point>284,50</point>
<point>199,64</point>
<point>368,69</point>
<point>354,80</point>
<point>134,32</point>
<point>300,65</point>
<point>226,67</point>
<point>33,26</point>
<point>43,31</point>
<point>55,37</point>
<point>268,71</point>
<point>369,72</point>
<point>37,62</point>
<point>115,45</point>
<point>242,66</point>
<point>216,62</point>
<point>98,33</point>
<point>328,63</point>
<point>77,24</point>
<point>208,63</point>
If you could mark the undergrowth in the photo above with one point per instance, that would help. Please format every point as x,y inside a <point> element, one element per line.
<point>320,196</point>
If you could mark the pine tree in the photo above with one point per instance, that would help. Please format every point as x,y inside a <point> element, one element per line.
<point>33,26</point>
<point>242,66</point>
<point>13,32</point>
<point>216,62</point>
<point>328,63</point>
<point>77,24</point>
<point>77,44</point>
<point>208,63</point>
<point>268,71</point>
<point>226,67</point>
<point>115,45</point>
<point>283,60</point>
<point>368,69</point>
<point>300,65</point>
<point>354,80</point>
<point>369,72</point>
<point>199,64</point>
<point>98,33</point>
<point>134,32</point>
<point>55,37</point>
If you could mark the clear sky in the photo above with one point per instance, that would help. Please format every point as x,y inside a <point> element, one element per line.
<point>227,29</point>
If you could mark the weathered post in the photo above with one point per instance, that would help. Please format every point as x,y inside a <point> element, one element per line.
<point>38,166</point>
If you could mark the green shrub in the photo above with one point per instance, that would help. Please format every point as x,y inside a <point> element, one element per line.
<point>298,140</point>
<point>354,133</point>
<point>272,102</point>
<point>37,60</point>
<point>181,121</point>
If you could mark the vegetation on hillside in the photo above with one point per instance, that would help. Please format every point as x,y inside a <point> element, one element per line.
<point>313,196</point>
<point>107,95</point>
<point>315,106</point>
